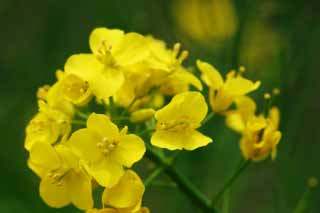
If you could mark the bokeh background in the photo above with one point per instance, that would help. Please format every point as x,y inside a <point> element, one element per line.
<point>277,40</point>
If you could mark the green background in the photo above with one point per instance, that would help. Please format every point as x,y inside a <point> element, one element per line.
<point>36,37</point>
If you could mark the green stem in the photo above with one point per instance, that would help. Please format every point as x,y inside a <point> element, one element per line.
<point>82,115</point>
<point>79,122</point>
<point>163,184</point>
<point>304,203</point>
<point>153,175</point>
<point>145,131</point>
<point>126,110</point>
<point>208,118</point>
<point>158,171</point>
<point>228,184</point>
<point>226,201</point>
<point>197,197</point>
<point>120,118</point>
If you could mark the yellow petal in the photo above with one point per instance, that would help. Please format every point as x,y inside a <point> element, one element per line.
<point>132,49</point>
<point>179,140</point>
<point>79,188</point>
<point>104,81</point>
<point>127,193</point>
<point>130,150</point>
<point>186,76</point>
<point>235,121</point>
<point>240,86</point>
<point>86,66</point>
<point>102,124</point>
<point>37,169</point>
<point>256,123</point>
<point>219,100</point>
<point>190,106</point>
<point>110,37</point>
<point>274,116</point>
<point>54,195</point>
<point>107,83</point>
<point>210,75</point>
<point>84,143</point>
<point>107,173</point>
<point>246,106</point>
<point>45,156</point>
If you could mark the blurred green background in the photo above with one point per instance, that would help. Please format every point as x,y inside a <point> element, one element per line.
<point>277,40</point>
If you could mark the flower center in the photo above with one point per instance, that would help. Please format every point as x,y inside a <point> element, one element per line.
<point>74,88</point>
<point>106,145</point>
<point>258,136</point>
<point>104,54</point>
<point>57,176</point>
<point>174,126</point>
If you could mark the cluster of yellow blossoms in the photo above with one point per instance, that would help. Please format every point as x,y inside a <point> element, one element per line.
<point>80,138</point>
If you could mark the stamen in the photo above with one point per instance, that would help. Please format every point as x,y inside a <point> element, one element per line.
<point>105,140</point>
<point>105,151</point>
<point>100,145</point>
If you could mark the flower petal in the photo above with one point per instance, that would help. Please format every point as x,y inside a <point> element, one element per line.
<point>84,143</point>
<point>126,194</point>
<point>102,124</point>
<point>79,188</point>
<point>86,66</point>
<point>210,75</point>
<point>107,173</point>
<point>179,140</point>
<point>239,86</point>
<point>130,150</point>
<point>99,35</point>
<point>188,105</point>
<point>43,155</point>
<point>52,194</point>
<point>132,49</point>
<point>103,81</point>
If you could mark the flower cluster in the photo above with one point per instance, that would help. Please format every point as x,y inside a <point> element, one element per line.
<point>95,122</point>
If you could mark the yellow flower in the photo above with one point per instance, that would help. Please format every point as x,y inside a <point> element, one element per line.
<point>164,59</point>
<point>245,109</point>
<point>112,51</point>
<point>75,90</point>
<point>223,93</point>
<point>136,77</point>
<point>62,180</point>
<point>177,123</point>
<point>105,149</point>
<point>47,126</point>
<point>261,136</point>
<point>54,98</point>
<point>178,81</point>
<point>127,195</point>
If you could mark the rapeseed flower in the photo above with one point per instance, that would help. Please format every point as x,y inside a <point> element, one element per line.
<point>48,126</point>
<point>223,93</point>
<point>63,181</point>
<point>106,150</point>
<point>177,123</point>
<point>261,136</point>
<point>113,51</point>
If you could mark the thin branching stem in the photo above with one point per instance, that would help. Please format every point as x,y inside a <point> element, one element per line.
<point>183,183</point>
<point>230,181</point>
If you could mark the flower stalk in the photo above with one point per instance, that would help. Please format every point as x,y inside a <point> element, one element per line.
<point>230,181</point>
<point>183,183</point>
